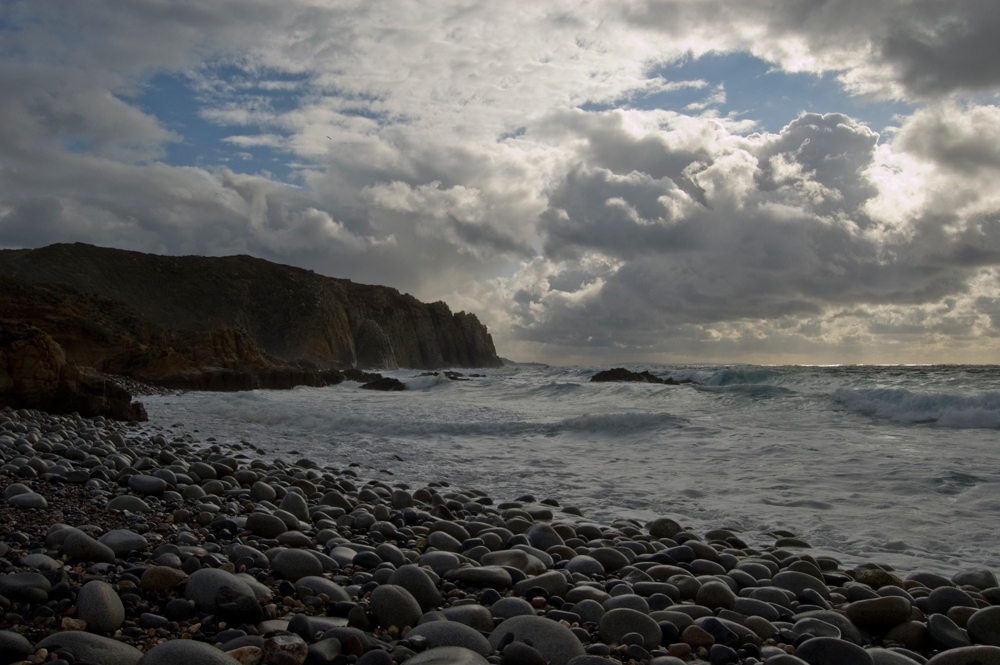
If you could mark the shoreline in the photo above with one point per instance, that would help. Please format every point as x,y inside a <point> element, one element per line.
<point>357,537</point>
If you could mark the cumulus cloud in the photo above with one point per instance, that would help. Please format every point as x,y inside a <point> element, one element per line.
<point>447,151</point>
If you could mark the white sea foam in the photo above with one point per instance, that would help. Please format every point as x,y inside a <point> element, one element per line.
<point>943,409</point>
<point>897,463</point>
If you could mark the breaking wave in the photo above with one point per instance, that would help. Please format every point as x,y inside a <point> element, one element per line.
<point>980,410</point>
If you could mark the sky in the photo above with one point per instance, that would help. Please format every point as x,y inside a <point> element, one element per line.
<point>769,181</point>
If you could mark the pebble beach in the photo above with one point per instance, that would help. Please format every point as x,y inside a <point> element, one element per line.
<point>125,544</point>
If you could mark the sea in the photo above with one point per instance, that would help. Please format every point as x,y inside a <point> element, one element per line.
<point>898,465</point>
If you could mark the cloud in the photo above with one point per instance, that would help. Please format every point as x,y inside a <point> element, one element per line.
<point>455,151</point>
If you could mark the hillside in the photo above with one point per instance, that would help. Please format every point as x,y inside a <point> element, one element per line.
<point>291,313</point>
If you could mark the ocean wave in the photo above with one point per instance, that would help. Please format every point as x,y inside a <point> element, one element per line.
<point>981,410</point>
<point>738,375</point>
<point>619,422</point>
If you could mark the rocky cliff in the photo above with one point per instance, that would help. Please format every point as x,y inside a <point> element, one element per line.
<point>35,374</point>
<point>294,314</point>
<point>110,337</point>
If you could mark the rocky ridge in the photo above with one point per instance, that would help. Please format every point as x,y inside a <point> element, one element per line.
<point>290,313</point>
<point>138,545</point>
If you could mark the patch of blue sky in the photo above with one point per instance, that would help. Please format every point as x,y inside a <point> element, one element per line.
<point>184,106</point>
<point>756,90</point>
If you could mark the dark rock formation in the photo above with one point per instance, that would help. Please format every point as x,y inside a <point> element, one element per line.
<point>288,312</point>
<point>385,383</point>
<point>34,374</point>
<point>620,374</point>
<point>112,338</point>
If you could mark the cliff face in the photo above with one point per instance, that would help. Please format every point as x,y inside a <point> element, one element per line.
<point>291,313</point>
<point>35,374</point>
<point>110,337</point>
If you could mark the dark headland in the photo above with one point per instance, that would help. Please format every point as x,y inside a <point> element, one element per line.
<point>205,323</point>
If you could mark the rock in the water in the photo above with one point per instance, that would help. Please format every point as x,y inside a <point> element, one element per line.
<point>99,605</point>
<point>394,606</point>
<point>452,634</point>
<point>188,652</point>
<point>447,656</point>
<point>557,643</point>
<point>92,648</point>
<point>832,651</point>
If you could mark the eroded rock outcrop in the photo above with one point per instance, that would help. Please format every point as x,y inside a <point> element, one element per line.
<point>620,374</point>
<point>35,374</point>
<point>111,337</point>
<point>290,313</point>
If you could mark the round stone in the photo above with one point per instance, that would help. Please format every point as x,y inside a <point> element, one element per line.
<point>889,657</point>
<point>452,634</point>
<point>16,585</point>
<point>265,526</point>
<point>543,536</point>
<point>663,527</point>
<point>618,622</point>
<point>553,582</point>
<point>715,595</point>
<point>81,547</point>
<point>295,564</point>
<point>610,558</point>
<point>28,500</point>
<point>161,578</point>
<point>319,585</point>
<point>797,582</point>
<point>476,616</point>
<point>296,505</point>
<point>585,565</point>
<point>14,646</point>
<point>262,492</point>
<point>506,608</point>
<point>447,656</point>
<point>394,606</point>
<point>977,655</point>
<point>486,577</point>
<point>123,541</point>
<point>133,504</point>
<point>879,614</point>
<point>944,598</point>
<point>557,643</point>
<point>945,633</point>
<point>147,485</point>
<point>984,626</point>
<point>99,605</point>
<point>204,585</point>
<point>414,579</point>
<point>92,648</point>
<point>188,652</point>
<point>832,651</point>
